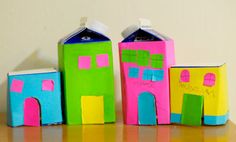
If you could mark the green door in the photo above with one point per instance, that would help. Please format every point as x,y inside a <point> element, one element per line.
<point>192,110</point>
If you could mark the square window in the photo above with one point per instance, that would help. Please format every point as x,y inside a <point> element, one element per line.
<point>147,74</point>
<point>129,55</point>
<point>133,72</point>
<point>17,86</point>
<point>143,57</point>
<point>158,57</point>
<point>158,75</point>
<point>102,60</point>
<point>157,60</point>
<point>157,64</point>
<point>84,62</point>
<point>48,85</point>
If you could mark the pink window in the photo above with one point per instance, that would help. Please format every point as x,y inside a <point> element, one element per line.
<point>209,79</point>
<point>17,86</point>
<point>84,62</point>
<point>102,60</point>
<point>48,85</point>
<point>185,76</point>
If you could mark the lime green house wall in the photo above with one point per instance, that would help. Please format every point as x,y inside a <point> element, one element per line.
<point>86,82</point>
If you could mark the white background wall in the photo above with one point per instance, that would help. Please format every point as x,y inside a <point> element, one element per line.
<point>204,31</point>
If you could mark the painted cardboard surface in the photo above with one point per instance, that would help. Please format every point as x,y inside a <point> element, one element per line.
<point>96,81</point>
<point>92,109</point>
<point>133,87</point>
<point>31,112</point>
<point>17,86</point>
<point>102,60</point>
<point>84,62</point>
<point>146,109</point>
<point>48,85</point>
<point>50,101</point>
<point>215,97</point>
<point>192,110</point>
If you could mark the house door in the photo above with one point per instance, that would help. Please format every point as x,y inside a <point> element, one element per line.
<point>146,109</point>
<point>192,110</point>
<point>92,109</point>
<point>31,112</point>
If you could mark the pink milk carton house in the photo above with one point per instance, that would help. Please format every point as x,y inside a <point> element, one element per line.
<point>145,57</point>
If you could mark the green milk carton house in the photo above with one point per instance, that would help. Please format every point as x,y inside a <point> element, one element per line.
<point>85,59</point>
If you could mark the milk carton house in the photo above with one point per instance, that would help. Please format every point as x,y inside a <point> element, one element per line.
<point>85,59</point>
<point>145,56</point>
<point>34,98</point>
<point>199,94</point>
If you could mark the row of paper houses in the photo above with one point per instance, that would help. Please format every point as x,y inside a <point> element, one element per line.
<point>154,89</point>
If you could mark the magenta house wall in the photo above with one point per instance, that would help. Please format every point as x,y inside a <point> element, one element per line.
<point>154,79</point>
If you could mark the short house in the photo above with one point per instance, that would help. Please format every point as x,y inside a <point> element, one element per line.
<point>199,92</point>
<point>34,98</point>
<point>85,59</point>
<point>145,57</point>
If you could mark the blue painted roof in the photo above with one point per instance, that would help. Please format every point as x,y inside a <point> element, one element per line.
<point>84,35</point>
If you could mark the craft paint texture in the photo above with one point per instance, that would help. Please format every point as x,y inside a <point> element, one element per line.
<point>87,68</point>
<point>209,82</point>
<point>34,99</point>
<point>144,72</point>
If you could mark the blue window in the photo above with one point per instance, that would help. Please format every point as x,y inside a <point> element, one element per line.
<point>153,75</point>
<point>157,75</point>
<point>147,74</point>
<point>133,72</point>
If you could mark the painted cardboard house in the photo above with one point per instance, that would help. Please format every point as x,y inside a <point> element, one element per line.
<point>85,59</point>
<point>199,93</point>
<point>34,98</point>
<point>145,56</point>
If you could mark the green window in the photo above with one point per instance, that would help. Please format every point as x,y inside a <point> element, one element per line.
<point>128,55</point>
<point>143,57</point>
<point>157,60</point>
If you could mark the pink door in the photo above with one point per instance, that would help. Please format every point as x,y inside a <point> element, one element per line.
<point>31,112</point>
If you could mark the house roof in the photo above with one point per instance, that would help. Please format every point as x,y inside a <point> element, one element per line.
<point>199,65</point>
<point>142,32</point>
<point>33,71</point>
<point>92,32</point>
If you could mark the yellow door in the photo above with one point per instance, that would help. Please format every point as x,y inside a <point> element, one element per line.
<point>92,109</point>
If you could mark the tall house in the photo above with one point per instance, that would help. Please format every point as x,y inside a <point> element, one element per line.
<point>85,59</point>
<point>145,57</point>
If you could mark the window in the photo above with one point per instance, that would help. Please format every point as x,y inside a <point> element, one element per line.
<point>129,55</point>
<point>133,72</point>
<point>153,75</point>
<point>102,60</point>
<point>209,79</point>
<point>48,85</point>
<point>147,74</point>
<point>84,62</point>
<point>143,57</point>
<point>157,60</point>
<point>158,75</point>
<point>185,76</point>
<point>17,86</point>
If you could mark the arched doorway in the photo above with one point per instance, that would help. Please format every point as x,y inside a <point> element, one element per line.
<point>31,112</point>
<point>146,109</point>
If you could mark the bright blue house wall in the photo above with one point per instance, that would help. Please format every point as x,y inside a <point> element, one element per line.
<point>50,101</point>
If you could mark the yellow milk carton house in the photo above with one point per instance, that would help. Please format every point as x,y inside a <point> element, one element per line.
<point>199,94</point>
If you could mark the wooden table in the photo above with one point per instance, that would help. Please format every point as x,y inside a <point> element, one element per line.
<point>117,132</point>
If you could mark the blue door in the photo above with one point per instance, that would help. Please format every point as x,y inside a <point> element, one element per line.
<point>146,109</point>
